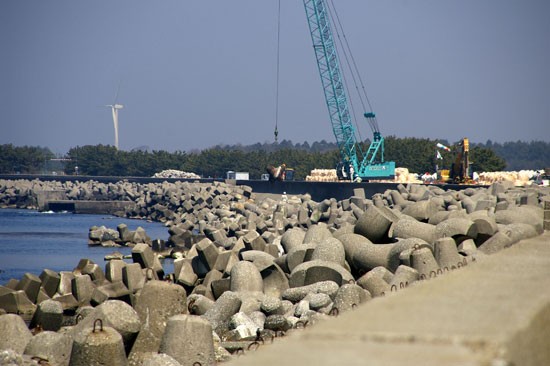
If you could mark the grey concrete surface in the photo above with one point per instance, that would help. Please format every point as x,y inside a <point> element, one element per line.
<point>493,312</point>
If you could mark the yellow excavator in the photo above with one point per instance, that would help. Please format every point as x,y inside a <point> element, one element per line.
<point>460,168</point>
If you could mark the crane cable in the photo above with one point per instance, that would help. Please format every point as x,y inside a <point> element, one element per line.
<point>354,71</point>
<point>276,132</point>
<point>341,49</point>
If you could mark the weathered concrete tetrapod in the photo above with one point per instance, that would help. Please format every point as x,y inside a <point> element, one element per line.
<point>157,302</point>
<point>403,277</point>
<point>421,210</point>
<point>374,284</point>
<point>50,281</point>
<point>245,276</point>
<point>52,346</point>
<point>316,233</point>
<point>30,283</point>
<point>113,270</point>
<point>275,281</point>
<point>48,316</point>
<point>98,345</point>
<point>456,227</point>
<point>374,224</point>
<point>330,250</point>
<point>14,333</point>
<point>188,339</point>
<point>116,314</point>
<point>362,255</point>
<point>350,296</point>
<point>446,253</point>
<point>296,294</point>
<point>160,359</point>
<point>314,271</point>
<point>423,261</point>
<point>82,289</point>
<point>410,228</point>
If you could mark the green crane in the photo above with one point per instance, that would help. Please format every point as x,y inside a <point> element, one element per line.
<point>367,164</point>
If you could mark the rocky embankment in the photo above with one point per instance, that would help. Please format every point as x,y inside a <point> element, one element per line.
<point>248,268</point>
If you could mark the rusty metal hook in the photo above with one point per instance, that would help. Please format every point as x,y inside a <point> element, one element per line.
<point>78,318</point>
<point>256,344</point>
<point>100,325</point>
<point>334,311</point>
<point>41,361</point>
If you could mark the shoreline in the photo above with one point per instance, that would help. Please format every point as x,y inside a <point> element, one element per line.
<point>259,266</point>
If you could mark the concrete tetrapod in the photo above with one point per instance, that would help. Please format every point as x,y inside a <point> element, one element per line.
<point>421,210</point>
<point>453,227</point>
<point>410,228</point>
<point>362,255</point>
<point>157,302</point>
<point>316,234</point>
<point>160,359</point>
<point>292,238</point>
<point>117,315</point>
<point>246,277</point>
<point>403,277</point>
<point>314,271</point>
<point>52,346</point>
<point>374,224</point>
<point>275,281</point>
<point>188,339</point>
<point>98,345</point>
<point>48,316</point>
<point>296,294</point>
<point>330,250</point>
<point>374,284</point>
<point>14,333</point>
<point>422,259</point>
<point>225,306</point>
<point>349,296</point>
<point>446,253</point>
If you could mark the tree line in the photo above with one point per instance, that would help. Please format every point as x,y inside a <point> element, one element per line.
<point>416,154</point>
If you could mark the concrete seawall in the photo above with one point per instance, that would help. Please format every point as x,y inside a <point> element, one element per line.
<point>494,312</point>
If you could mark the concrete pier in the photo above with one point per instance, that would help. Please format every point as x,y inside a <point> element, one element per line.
<point>495,311</point>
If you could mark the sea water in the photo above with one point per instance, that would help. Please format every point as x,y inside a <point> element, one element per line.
<point>31,241</point>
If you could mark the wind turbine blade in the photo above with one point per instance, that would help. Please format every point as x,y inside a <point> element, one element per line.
<point>117,91</point>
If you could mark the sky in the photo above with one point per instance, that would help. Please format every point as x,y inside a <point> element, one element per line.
<point>194,74</point>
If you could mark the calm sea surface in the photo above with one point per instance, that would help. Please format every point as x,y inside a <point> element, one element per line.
<point>31,241</point>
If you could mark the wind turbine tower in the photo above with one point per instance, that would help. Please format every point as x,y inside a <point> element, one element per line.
<point>114,109</point>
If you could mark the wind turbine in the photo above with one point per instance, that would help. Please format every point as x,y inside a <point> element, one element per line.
<point>114,109</point>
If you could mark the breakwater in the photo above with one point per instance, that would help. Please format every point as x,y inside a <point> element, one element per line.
<point>250,267</point>
<point>317,190</point>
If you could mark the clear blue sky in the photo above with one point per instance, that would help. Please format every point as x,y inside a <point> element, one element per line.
<point>198,73</point>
